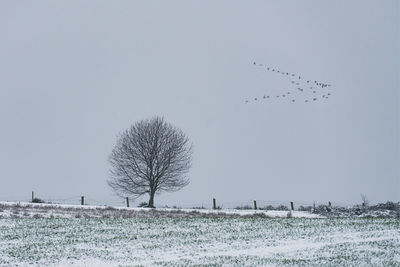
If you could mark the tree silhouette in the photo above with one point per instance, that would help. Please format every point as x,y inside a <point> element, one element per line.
<point>150,157</point>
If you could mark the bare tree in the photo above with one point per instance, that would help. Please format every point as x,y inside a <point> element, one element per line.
<point>150,157</point>
<point>365,202</point>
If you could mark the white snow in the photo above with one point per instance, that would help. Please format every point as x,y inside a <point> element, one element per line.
<point>185,241</point>
<point>21,210</point>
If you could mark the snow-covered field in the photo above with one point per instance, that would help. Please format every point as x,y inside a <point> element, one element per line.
<point>186,241</point>
<point>32,210</point>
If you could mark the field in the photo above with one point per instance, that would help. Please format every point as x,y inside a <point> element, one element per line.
<point>185,241</point>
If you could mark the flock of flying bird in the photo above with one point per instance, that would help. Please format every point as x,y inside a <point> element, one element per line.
<point>299,85</point>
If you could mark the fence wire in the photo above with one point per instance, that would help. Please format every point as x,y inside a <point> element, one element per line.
<point>220,203</point>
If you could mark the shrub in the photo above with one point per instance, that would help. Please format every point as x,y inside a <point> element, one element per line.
<point>37,200</point>
<point>389,205</point>
<point>305,208</point>
<point>245,207</point>
<point>269,207</point>
<point>282,207</point>
<point>198,208</point>
<point>365,201</point>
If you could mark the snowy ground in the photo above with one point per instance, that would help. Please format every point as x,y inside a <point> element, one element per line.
<point>31,210</point>
<point>185,241</point>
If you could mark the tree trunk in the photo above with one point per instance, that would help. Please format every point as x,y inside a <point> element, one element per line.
<point>151,200</point>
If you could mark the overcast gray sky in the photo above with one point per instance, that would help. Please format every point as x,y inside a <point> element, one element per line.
<point>73,74</point>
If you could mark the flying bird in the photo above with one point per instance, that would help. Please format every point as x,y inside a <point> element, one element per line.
<point>296,80</point>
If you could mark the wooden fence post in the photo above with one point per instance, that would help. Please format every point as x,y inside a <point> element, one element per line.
<point>82,200</point>
<point>214,204</point>
<point>127,202</point>
<point>255,204</point>
<point>292,205</point>
<point>33,196</point>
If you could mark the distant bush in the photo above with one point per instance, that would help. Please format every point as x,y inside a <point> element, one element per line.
<point>381,210</point>
<point>37,200</point>
<point>365,201</point>
<point>270,207</point>
<point>198,208</point>
<point>321,209</point>
<point>386,206</point>
<point>305,208</point>
<point>282,207</point>
<point>245,207</point>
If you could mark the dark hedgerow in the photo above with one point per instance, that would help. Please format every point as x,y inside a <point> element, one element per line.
<point>37,200</point>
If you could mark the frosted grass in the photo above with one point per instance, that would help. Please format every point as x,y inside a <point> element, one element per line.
<point>197,241</point>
